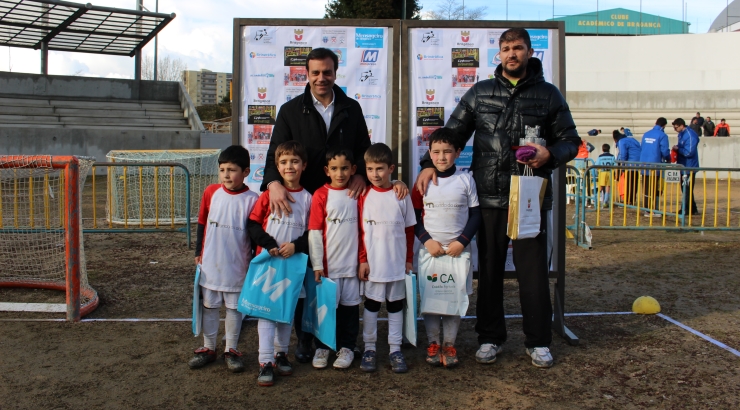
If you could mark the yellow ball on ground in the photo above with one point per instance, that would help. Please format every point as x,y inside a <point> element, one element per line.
<point>646,305</point>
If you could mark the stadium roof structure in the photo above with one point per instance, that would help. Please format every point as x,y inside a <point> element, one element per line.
<point>84,28</point>
<point>621,22</point>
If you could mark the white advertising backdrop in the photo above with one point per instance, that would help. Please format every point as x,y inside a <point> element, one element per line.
<point>445,63</point>
<point>273,72</point>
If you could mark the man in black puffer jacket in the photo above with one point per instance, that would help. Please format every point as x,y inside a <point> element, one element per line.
<point>516,103</point>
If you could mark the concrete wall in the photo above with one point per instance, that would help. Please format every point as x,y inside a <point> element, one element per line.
<point>713,152</point>
<point>710,103</point>
<point>35,85</point>
<point>653,63</point>
<point>91,142</point>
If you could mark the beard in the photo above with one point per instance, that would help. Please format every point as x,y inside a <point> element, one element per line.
<point>518,72</point>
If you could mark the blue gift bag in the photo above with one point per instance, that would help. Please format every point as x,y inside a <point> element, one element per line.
<point>197,304</point>
<point>320,310</point>
<point>272,287</point>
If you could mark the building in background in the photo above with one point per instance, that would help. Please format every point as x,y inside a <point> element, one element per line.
<point>728,19</point>
<point>206,86</point>
<point>621,22</point>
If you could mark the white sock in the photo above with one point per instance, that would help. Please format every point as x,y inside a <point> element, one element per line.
<point>266,331</point>
<point>451,324</point>
<point>395,331</point>
<point>233,328</point>
<point>369,329</point>
<point>433,323</point>
<point>282,337</point>
<point>210,327</point>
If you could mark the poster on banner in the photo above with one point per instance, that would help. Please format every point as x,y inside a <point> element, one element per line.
<point>273,72</point>
<point>444,64</point>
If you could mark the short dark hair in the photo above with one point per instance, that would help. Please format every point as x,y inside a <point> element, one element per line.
<point>444,135</point>
<point>235,154</point>
<point>321,54</point>
<point>722,119</point>
<point>605,148</point>
<point>662,122</point>
<point>380,154</point>
<point>679,121</point>
<point>616,135</point>
<point>333,153</point>
<point>514,34</point>
<point>291,148</point>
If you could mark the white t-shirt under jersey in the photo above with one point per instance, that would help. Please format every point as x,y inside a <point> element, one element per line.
<point>385,244</point>
<point>335,215</point>
<point>446,206</point>
<point>227,249</point>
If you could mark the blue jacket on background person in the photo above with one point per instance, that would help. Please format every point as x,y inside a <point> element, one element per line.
<point>629,149</point>
<point>655,146</point>
<point>688,154</point>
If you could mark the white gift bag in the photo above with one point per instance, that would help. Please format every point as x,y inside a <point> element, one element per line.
<point>443,283</point>
<point>409,310</point>
<point>525,201</point>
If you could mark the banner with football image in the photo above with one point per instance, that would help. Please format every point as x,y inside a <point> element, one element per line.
<point>445,63</point>
<point>274,72</point>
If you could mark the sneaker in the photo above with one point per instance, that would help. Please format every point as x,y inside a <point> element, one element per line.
<point>449,357</point>
<point>320,358</point>
<point>266,377</point>
<point>398,363</point>
<point>344,358</point>
<point>541,356</point>
<point>487,352</point>
<point>369,362</point>
<point>655,214</point>
<point>433,354</point>
<point>282,365</point>
<point>202,356</point>
<point>303,353</point>
<point>233,359</point>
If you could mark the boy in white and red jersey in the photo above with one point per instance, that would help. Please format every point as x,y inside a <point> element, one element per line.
<point>447,216</point>
<point>386,252</point>
<point>223,250</point>
<point>333,245</point>
<point>280,236</point>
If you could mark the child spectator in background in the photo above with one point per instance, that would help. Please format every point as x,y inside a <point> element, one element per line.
<point>446,228</point>
<point>333,240</point>
<point>386,254</point>
<point>605,175</point>
<point>224,255</point>
<point>280,236</point>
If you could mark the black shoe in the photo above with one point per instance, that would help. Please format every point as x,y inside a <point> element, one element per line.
<point>266,376</point>
<point>303,353</point>
<point>233,359</point>
<point>282,365</point>
<point>201,357</point>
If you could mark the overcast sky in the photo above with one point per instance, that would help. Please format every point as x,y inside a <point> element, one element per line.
<point>201,34</point>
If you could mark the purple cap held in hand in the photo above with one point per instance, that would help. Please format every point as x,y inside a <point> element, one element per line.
<point>525,153</point>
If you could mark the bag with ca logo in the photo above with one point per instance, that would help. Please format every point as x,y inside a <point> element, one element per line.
<point>272,287</point>
<point>443,283</point>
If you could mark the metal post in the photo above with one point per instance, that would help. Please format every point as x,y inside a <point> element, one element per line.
<point>72,238</point>
<point>403,10</point>
<point>44,58</point>
<point>156,46</point>
<point>137,53</point>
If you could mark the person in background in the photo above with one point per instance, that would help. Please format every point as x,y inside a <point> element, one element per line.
<point>626,132</point>
<point>696,127</point>
<point>655,149</point>
<point>581,164</point>
<point>594,132</point>
<point>723,129</point>
<point>699,119</point>
<point>605,175</point>
<point>709,127</point>
<point>628,151</point>
<point>688,155</point>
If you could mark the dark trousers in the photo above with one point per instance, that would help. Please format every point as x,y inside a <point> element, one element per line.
<point>348,327</point>
<point>694,208</point>
<point>303,337</point>
<point>530,259</point>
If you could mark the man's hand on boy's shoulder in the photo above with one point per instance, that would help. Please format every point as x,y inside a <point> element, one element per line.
<point>356,186</point>
<point>400,189</point>
<point>363,272</point>
<point>280,199</point>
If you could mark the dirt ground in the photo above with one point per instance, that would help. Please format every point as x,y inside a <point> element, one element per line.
<point>621,362</point>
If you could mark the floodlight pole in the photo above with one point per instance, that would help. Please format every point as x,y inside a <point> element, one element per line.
<point>137,53</point>
<point>156,10</point>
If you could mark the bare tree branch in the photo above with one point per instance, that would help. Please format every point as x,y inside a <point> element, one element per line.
<point>167,69</point>
<point>453,10</point>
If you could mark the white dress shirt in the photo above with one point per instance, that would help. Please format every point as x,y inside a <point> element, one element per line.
<point>326,112</point>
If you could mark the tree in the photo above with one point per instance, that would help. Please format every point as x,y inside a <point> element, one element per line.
<point>371,9</point>
<point>167,69</point>
<point>454,10</point>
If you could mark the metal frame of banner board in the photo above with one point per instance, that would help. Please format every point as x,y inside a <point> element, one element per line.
<point>385,89</point>
<point>557,54</point>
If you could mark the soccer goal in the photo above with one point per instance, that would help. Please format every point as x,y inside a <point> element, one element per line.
<point>41,244</point>
<point>157,195</point>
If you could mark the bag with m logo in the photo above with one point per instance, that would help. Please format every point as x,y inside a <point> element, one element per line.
<point>320,310</point>
<point>272,287</point>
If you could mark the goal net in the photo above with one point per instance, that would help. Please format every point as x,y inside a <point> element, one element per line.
<point>40,247</point>
<point>156,195</point>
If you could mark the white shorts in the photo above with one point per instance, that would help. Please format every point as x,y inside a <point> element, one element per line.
<point>212,298</point>
<point>382,291</point>
<point>348,291</point>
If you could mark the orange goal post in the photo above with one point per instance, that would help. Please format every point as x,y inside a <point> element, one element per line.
<point>41,244</point>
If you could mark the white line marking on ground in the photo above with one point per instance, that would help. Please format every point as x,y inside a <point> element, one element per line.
<point>702,335</point>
